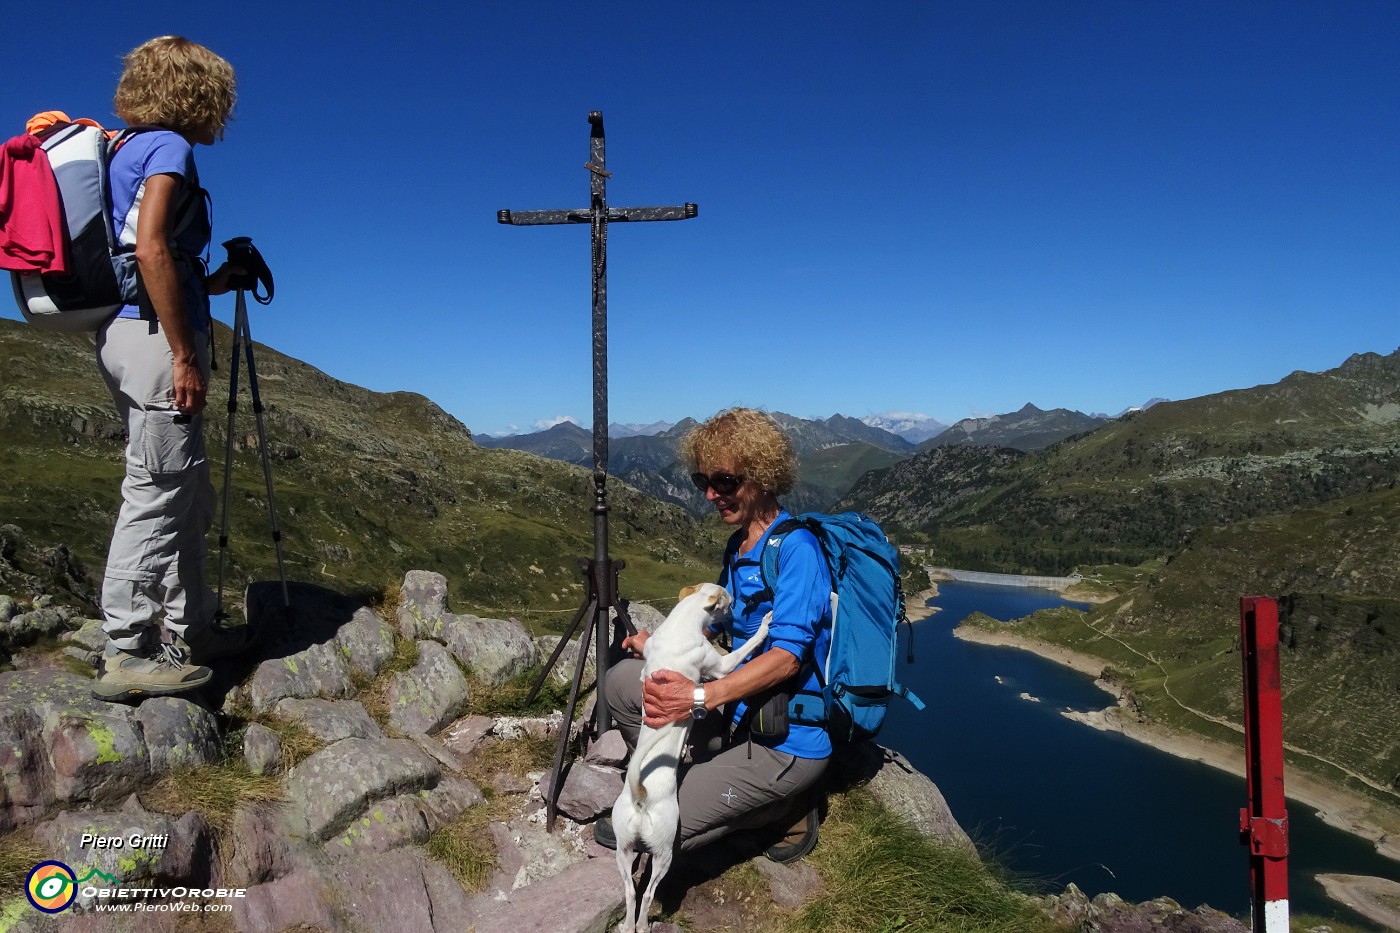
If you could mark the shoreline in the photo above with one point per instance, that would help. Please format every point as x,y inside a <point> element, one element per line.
<point>1337,807</point>
<point>916,607</point>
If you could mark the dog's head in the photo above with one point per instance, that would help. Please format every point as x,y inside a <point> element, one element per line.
<point>710,598</point>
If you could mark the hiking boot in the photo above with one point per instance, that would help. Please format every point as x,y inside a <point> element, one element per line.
<point>603,833</point>
<point>798,842</point>
<point>215,641</point>
<point>155,670</point>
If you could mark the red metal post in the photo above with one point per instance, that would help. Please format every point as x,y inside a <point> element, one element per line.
<point>1264,823</point>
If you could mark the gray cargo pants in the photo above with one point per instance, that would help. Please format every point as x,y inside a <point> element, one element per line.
<point>156,559</point>
<point>730,785</point>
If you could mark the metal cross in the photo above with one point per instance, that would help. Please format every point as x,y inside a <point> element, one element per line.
<point>601,571</point>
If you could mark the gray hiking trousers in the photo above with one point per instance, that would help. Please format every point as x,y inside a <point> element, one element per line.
<point>730,784</point>
<point>156,559</point>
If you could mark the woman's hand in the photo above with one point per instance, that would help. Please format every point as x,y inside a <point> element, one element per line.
<point>666,698</point>
<point>190,387</point>
<point>635,643</point>
<point>218,281</point>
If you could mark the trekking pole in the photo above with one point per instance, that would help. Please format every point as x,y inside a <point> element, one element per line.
<point>243,253</point>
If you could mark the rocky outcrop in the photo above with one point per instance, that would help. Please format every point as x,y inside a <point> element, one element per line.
<point>346,848</point>
<point>1109,913</point>
<point>60,747</point>
<point>494,650</point>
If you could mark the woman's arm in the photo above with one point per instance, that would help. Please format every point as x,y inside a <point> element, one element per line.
<point>162,283</point>
<point>668,696</point>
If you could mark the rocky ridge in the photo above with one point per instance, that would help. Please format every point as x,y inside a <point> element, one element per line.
<point>344,840</point>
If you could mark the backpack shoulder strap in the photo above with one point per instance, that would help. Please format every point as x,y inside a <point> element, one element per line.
<point>768,558</point>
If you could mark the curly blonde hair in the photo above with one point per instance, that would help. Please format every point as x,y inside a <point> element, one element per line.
<point>172,82</point>
<point>749,440</point>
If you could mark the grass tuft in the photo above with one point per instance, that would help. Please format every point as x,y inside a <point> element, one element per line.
<point>19,853</point>
<point>466,849</point>
<point>212,791</point>
<point>386,602</point>
<point>508,699</point>
<point>881,875</point>
<point>374,695</point>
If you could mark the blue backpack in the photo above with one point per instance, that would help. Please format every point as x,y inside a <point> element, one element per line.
<point>867,606</point>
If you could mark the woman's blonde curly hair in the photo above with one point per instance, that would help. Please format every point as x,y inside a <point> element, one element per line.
<point>177,84</point>
<point>747,440</point>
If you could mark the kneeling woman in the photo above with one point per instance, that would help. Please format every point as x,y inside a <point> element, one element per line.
<point>741,776</point>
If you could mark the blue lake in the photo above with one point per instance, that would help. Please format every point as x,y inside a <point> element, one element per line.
<point>1060,802</point>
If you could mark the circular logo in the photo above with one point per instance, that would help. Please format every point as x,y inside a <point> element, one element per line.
<point>51,887</point>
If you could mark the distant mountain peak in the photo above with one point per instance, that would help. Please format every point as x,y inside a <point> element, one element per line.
<point>914,427</point>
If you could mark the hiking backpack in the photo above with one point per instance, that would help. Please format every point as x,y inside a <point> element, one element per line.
<point>90,291</point>
<point>867,606</point>
<point>88,294</point>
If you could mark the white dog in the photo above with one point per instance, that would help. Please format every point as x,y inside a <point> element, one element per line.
<point>647,811</point>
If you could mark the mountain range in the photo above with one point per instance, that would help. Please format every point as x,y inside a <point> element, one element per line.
<point>1287,489</point>
<point>832,452</point>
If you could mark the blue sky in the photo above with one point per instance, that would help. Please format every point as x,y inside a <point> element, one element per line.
<point>938,207</point>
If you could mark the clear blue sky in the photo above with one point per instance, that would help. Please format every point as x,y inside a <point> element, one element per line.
<point>948,208</point>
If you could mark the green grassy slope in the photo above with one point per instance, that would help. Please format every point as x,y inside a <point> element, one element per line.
<point>368,486</point>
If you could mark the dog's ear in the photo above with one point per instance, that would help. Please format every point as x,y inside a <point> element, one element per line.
<point>716,596</point>
<point>689,591</point>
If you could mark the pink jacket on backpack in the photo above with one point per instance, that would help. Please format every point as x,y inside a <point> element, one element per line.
<point>31,214</point>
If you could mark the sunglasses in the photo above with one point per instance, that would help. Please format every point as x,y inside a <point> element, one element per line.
<point>722,483</point>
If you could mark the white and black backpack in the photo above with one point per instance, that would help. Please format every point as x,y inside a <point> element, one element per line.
<point>85,296</point>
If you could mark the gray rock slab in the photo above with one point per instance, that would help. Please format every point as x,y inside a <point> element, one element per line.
<point>387,824</point>
<point>449,800</point>
<point>467,733</point>
<point>407,819</point>
<point>366,641</point>
<point>317,671</point>
<point>790,885</point>
<point>61,746</point>
<point>262,749</point>
<point>901,788</point>
<point>337,784</point>
<point>430,695</point>
<point>262,846</point>
<point>330,720</point>
<point>422,602</point>
<point>589,790</point>
<point>140,848</point>
<point>610,750</point>
<point>494,650</point>
<point>397,890</point>
<point>89,636</point>
<point>308,650</point>
<point>178,733</point>
<point>591,891</point>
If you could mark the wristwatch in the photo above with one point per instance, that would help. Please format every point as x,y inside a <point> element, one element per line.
<point>697,708</point>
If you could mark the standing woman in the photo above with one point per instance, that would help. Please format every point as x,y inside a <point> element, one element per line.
<point>154,357</point>
<point>758,777</point>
